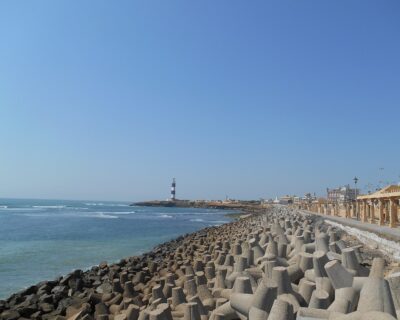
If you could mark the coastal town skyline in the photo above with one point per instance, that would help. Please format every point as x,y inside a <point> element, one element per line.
<point>250,100</point>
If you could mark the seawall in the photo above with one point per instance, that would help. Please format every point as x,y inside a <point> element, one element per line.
<point>276,264</point>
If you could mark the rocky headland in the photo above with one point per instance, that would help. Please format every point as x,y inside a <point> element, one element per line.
<point>275,264</point>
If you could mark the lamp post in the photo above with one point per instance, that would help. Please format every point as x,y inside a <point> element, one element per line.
<point>355,191</point>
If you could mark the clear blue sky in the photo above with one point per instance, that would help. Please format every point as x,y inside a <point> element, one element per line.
<point>110,100</point>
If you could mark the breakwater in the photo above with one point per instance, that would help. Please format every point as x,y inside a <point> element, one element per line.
<point>234,205</point>
<point>276,265</point>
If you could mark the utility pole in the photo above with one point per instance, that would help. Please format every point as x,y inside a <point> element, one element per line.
<point>355,191</point>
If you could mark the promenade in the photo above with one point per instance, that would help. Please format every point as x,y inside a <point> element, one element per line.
<point>383,231</point>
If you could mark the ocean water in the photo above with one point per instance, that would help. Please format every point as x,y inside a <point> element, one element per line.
<point>42,239</point>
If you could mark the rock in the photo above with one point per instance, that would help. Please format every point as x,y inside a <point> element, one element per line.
<point>46,307</point>
<point>104,288</point>
<point>9,315</point>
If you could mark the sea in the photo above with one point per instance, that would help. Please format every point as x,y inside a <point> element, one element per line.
<point>43,239</point>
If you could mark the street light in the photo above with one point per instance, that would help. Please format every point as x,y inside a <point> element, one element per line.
<point>355,191</point>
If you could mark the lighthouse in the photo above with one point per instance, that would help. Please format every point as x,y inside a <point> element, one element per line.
<point>173,186</point>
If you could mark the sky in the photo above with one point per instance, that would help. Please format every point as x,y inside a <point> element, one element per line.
<point>110,100</point>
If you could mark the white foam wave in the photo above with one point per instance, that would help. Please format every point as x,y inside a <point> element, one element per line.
<point>95,215</point>
<point>115,212</point>
<point>106,204</point>
<point>104,216</point>
<point>165,216</point>
<point>3,207</point>
<point>122,212</point>
<point>198,213</point>
<point>36,215</point>
<point>49,207</point>
<point>19,209</point>
<point>197,220</point>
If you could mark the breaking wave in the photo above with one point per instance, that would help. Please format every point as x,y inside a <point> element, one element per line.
<point>49,207</point>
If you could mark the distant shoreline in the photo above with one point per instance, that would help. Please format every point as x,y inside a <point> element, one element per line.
<point>243,208</point>
<point>238,205</point>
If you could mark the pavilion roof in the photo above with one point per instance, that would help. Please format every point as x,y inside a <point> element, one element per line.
<point>387,192</point>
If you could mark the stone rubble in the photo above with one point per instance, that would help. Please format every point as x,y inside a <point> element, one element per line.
<point>279,265</point>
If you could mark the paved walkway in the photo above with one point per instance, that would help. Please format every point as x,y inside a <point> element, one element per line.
<point>383,231</point>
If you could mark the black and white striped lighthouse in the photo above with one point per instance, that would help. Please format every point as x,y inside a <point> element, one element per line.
<point>173,186</point>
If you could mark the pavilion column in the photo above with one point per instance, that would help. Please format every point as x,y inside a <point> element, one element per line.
<point>347,208</point>
<point>357,209</point>
<point>372,212</point>
<point>393,212</point>
<point>365,211</point>
<point>381,212</point>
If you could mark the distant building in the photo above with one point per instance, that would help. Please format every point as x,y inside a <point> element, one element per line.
<point>342,194</point>
<point>286,199</point>
<point>308,198</point>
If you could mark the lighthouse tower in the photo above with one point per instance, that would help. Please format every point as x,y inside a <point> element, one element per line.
<point>173,186</point>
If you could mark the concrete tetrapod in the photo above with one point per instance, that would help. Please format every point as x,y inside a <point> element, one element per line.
<point>375,295</point>
<point>371,315</point>
<point>285,290</point>
<point>255,306</point>
<point>346,300</point>
<point>339,276</point>
<point>281,310</point>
